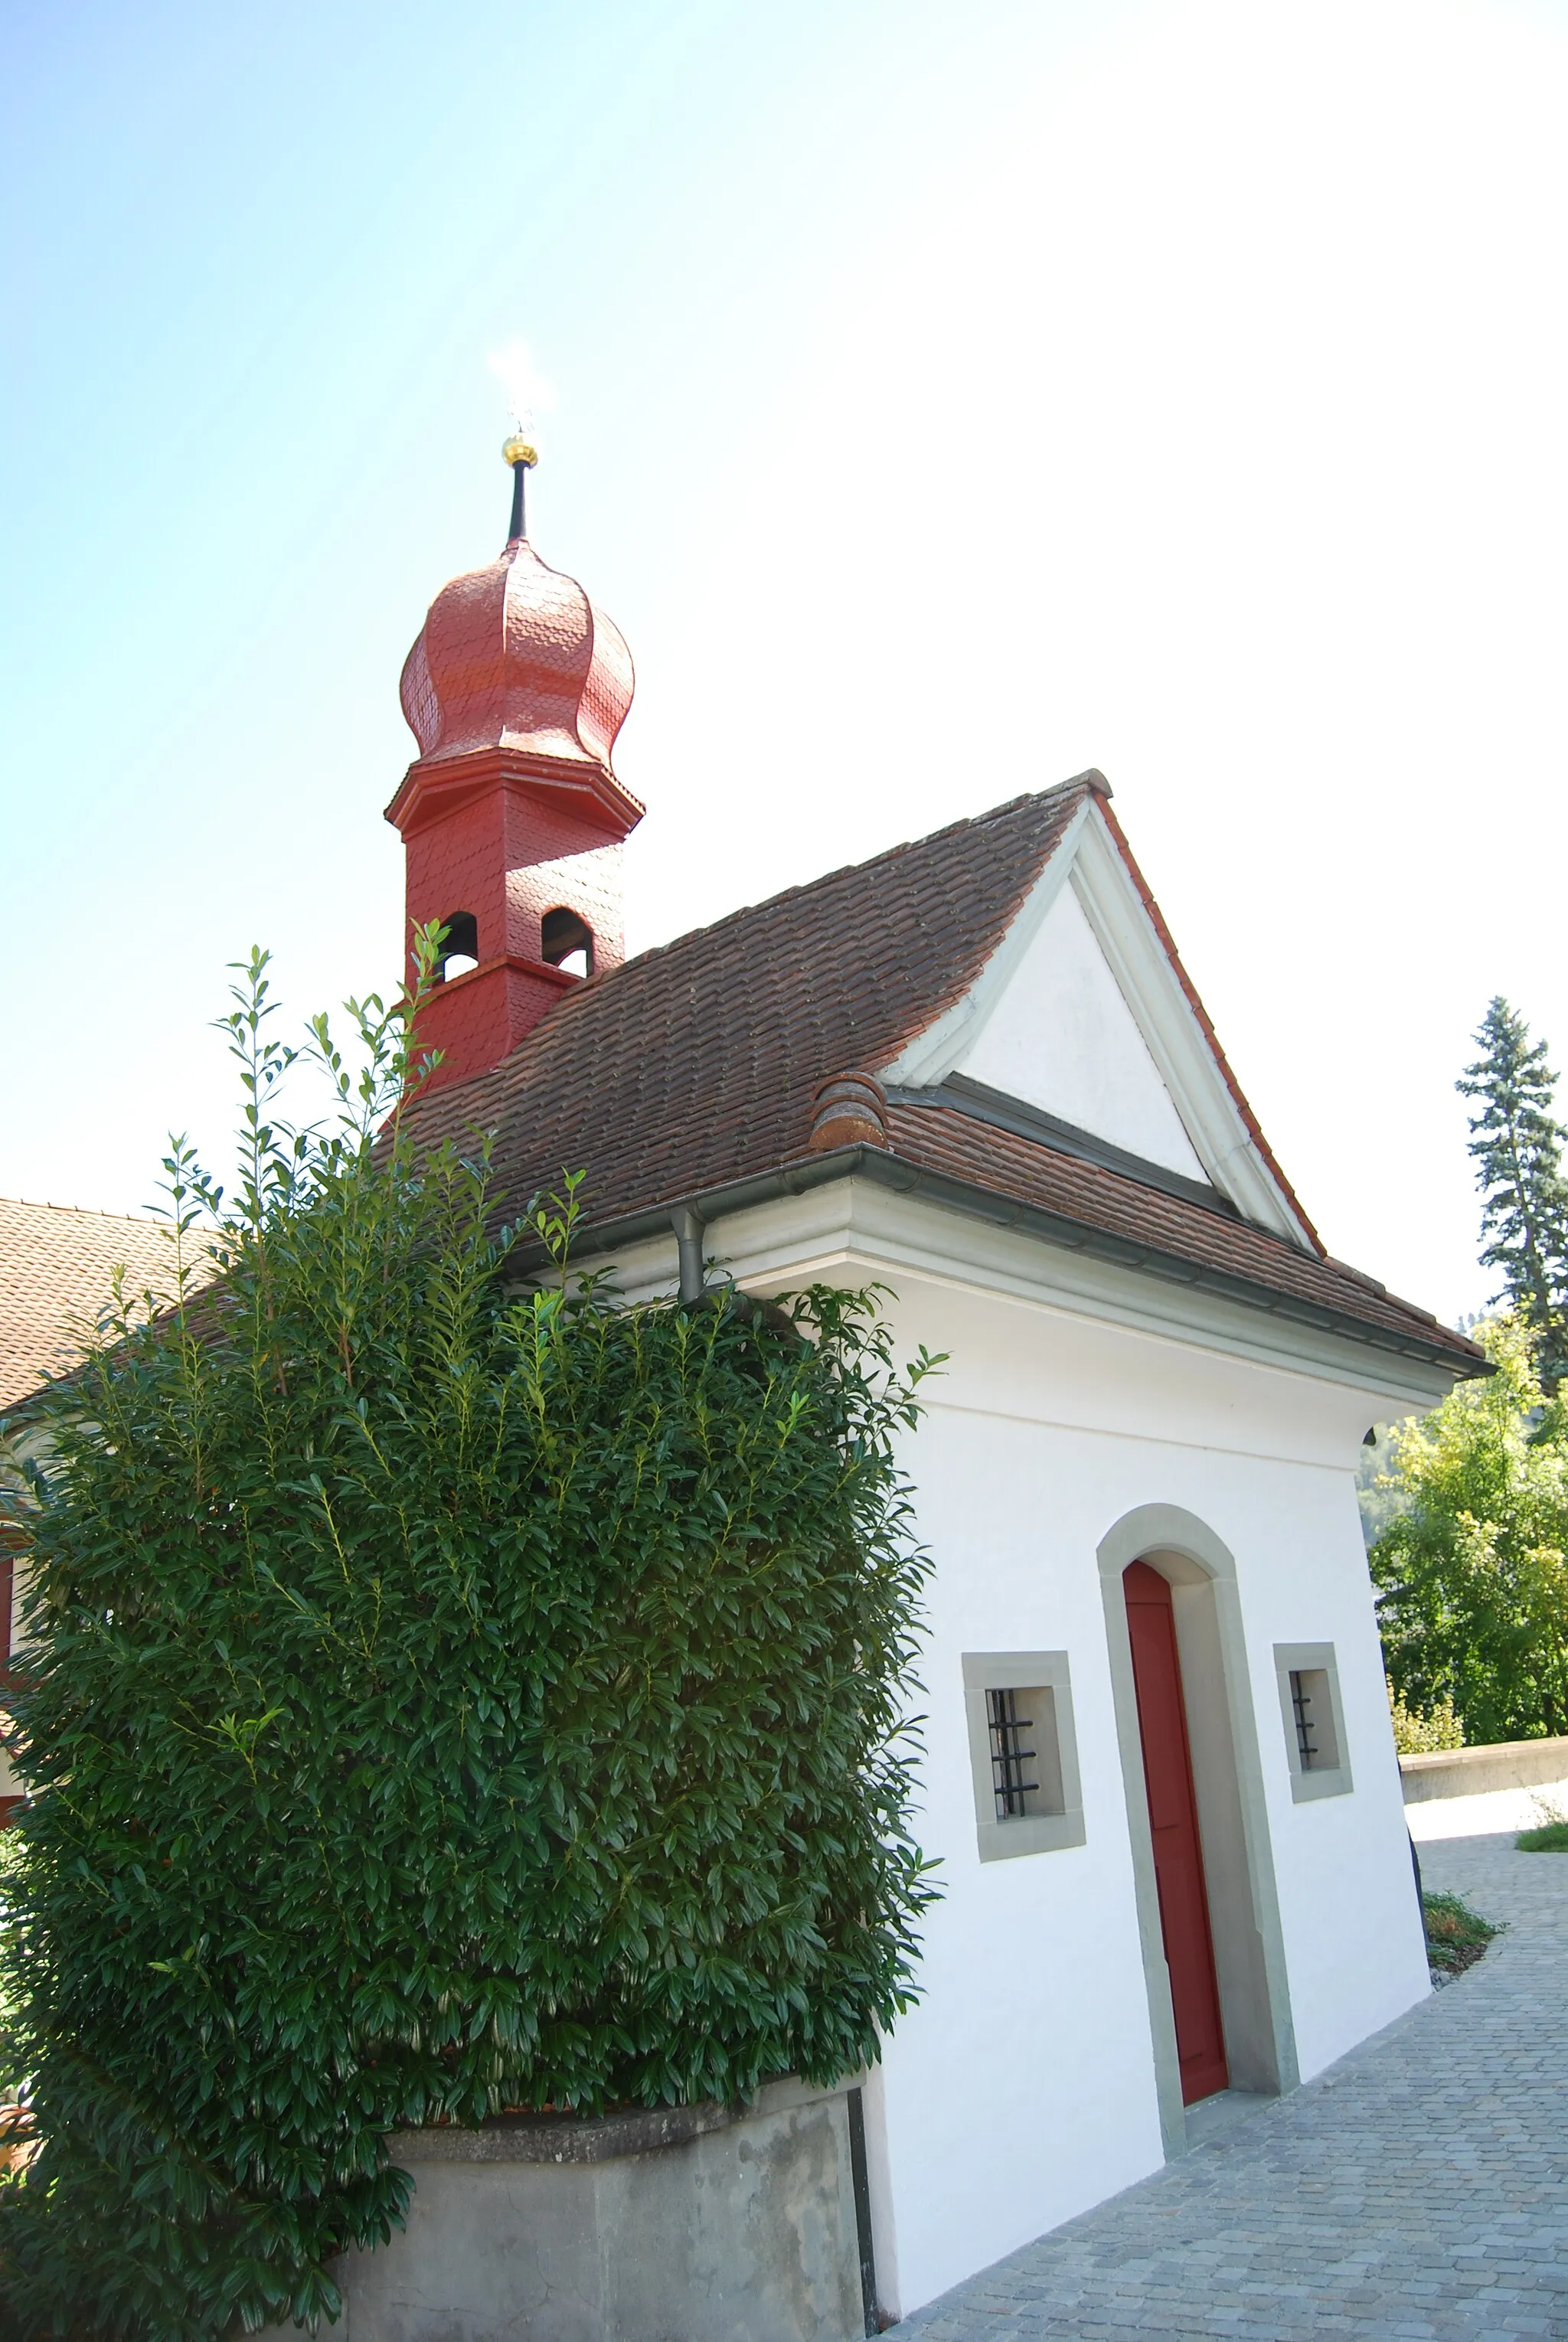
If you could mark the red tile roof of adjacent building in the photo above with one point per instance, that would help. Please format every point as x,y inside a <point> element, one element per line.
<point>56,1264</point>
<point>692,1070</point>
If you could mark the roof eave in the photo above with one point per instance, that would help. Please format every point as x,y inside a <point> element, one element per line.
<point>998,1209</point>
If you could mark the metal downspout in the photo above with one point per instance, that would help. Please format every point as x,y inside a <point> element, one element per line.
<point>688,1228</point>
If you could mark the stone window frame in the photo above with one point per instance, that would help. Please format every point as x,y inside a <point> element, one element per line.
<point>1003,1841</point>
<point>1312,1781</point>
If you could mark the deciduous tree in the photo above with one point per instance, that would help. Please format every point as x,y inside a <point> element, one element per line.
<point>1474,1573</point>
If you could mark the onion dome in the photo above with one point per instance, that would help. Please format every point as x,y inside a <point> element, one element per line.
<point>516,656</point>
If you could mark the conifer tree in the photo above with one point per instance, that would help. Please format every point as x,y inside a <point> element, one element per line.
<point>1517,1144</point>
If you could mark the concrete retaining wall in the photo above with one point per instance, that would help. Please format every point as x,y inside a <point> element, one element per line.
<point>694,2224</point>
<point>1473,1772</point>
<point>1484,1791</point>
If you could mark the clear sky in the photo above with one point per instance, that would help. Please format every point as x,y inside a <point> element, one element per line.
<point>945,398</point>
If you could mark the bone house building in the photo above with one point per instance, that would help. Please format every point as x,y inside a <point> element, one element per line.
<point>1159,1772</point>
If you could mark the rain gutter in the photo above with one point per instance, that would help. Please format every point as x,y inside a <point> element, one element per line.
<point>692,1214</point>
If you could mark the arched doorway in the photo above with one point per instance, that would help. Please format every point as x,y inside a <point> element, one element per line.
<point>1180,1883</point>
<point>1220,1713</point>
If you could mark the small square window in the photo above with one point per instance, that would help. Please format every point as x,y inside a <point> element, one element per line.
<point>1317,1750</point>
<point>1313,1722</point>
<point>1021,1752</point>
<point>1025,1764</point>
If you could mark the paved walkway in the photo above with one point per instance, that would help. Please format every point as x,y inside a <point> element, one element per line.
<point>1419,2187</point>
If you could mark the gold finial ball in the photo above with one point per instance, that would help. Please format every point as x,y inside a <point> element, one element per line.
<point>519,450</point>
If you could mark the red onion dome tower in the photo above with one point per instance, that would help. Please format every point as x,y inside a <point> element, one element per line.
<point>510,816</point>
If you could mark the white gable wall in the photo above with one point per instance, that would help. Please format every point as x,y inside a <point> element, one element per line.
<point>1058,1016</point>
<point>1061,1037</point>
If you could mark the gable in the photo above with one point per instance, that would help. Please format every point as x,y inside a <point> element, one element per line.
<point>1061,1037</point>
<point>684,1084</point>
<point>1083,1014</point>
<point>696,1065</point>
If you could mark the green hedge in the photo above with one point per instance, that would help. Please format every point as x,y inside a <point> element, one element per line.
<point>447,1698</point>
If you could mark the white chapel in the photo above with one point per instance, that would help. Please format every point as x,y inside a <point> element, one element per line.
<point>1159,1773</point>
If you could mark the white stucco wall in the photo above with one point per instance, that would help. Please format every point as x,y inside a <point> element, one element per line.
<point>1063,1037</point>
<point>1022,2089</point>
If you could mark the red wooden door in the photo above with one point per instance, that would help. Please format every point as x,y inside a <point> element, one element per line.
<point>1173,1826</point>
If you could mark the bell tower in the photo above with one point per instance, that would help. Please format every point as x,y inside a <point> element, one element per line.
<point>510,816</point>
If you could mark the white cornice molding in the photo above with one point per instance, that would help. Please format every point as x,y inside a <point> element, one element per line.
<point>1177,1041</point>
<point>854,1230</point>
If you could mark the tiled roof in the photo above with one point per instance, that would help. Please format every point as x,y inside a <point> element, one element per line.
<point>692,1068</point>
<point>1165,1228</point>
<point>56,1266</point>
<point>695,1064</point>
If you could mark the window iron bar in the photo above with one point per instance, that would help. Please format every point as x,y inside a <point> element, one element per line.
<point>1008,1755</point>
<point>1300,1701</point>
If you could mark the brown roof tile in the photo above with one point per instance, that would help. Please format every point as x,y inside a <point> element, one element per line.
<point>694,1064</point>
<point>56,1267</point>
<point>693,1069</point>
<point>1147,1219</point>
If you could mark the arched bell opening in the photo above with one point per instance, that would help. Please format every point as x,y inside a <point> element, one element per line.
<point>566,942</point>
<point>459,945</point>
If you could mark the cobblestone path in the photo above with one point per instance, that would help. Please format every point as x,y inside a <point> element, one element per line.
<point>1419,2187</point>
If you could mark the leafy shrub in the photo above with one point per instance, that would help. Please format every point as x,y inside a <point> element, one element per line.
<point>1473,1576</point>
<point>445,1697</point>
<point>1415,1735</point>
<point>1456,1935</point>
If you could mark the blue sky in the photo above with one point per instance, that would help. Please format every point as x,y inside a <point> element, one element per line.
<point>944,399</point>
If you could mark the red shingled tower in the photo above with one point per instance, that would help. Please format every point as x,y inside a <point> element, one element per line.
<point>511,815</point>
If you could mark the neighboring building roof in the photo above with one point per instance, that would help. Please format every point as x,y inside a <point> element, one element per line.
<point>691,1071</point>
<point>56,1264</point>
